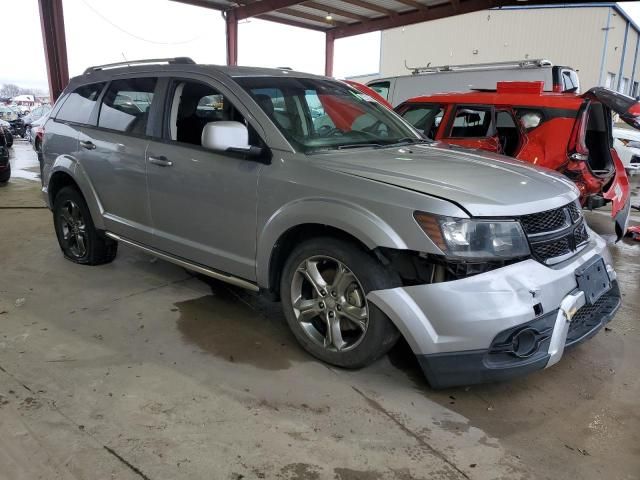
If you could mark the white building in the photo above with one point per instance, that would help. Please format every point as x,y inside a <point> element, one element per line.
<point>599,40</point>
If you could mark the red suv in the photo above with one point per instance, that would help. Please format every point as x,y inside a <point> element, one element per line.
<point>566,132</point>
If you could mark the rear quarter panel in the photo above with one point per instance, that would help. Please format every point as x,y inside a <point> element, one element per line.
<point>60,156</point>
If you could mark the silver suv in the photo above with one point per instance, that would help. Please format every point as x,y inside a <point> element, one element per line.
<point>303,187</point>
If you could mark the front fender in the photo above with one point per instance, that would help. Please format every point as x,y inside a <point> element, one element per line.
<point>66,164</point>
<point>353,219</point>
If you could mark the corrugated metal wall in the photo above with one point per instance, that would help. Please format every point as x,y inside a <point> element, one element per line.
<point>566,36</point>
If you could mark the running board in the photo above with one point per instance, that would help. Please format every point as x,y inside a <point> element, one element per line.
<point>238,282</point>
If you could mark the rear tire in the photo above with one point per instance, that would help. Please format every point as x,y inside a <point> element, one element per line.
<point>331,317</point>
<point>78,238</point>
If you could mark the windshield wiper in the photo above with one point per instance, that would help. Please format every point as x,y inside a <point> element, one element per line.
<point>408,141</point>
<point>359,145</point>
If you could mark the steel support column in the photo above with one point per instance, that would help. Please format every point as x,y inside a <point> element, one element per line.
<point>232,37</point>
<point>328,54</point>
<point>635,63</point>
<point>55,45</point>
<point>624,54</point>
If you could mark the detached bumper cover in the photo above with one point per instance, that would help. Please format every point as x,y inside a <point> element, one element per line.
<point>463,331</point>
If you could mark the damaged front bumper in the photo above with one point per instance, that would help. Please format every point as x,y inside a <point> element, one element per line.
<point>503,323</point>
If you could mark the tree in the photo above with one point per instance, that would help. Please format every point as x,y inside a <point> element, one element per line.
<point>9,90</point>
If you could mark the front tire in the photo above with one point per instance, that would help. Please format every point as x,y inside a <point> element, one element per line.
<point>323,287</point>
<point>78,238</point>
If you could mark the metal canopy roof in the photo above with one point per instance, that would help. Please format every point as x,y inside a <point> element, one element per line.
<point>343,18</point>
<point>336,18</point>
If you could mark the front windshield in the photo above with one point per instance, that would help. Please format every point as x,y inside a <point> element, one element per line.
<point>317,114</point>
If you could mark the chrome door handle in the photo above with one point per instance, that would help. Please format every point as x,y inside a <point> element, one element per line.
<point>88,145</point>
<point>160,161</point>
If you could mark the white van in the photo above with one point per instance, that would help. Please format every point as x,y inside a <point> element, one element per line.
<point>480,76</point>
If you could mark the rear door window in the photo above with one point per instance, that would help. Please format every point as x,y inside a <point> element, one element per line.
<point>471,122</point>
<point>381,88</point>
<point>79,104</point>
<point>125,106</point>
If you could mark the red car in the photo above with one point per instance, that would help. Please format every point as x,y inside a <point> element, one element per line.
<point>567,132</point>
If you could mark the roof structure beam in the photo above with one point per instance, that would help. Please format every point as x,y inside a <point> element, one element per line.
<point>336,11</point>
<point>201,3</point>
<point>412,17</point>
<point>292,23</point>
<point>313,18</point>
<point>263,7</point>
<point>414,4</point>
<point>370,6</point>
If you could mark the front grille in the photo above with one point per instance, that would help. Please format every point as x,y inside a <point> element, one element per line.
<point>574,211</point>
<point>555,234</point>
<point>544,221</point>
<point>553,249</point>
<point>590,318</point>
<point>580,234</point>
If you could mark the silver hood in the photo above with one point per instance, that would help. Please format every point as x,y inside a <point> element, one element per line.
<point>482,183</point>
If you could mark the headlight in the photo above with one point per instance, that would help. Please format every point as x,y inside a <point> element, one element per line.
<point>475,239</point>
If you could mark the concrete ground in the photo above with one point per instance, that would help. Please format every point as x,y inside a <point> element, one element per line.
<point>138,370</point>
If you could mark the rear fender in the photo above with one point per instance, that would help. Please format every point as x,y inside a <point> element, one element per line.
<point>66,164</point>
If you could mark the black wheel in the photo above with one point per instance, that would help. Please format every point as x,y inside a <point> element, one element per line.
<point>78,238</point>
<point>6,175</point>
<point>323,288</point>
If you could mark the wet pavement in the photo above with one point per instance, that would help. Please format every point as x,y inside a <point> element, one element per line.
<point>138,369</point>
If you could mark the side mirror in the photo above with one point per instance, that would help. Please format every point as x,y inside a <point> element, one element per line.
<point>228,136</point>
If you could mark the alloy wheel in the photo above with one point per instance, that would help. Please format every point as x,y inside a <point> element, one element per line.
<point>74,229</point>
<point>329,303</point>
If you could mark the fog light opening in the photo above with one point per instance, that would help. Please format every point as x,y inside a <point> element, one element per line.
<point>525,343</point>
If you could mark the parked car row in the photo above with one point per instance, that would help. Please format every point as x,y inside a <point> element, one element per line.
<point>307,189</point>
<point>6,130</point>
<point>19,121</point>
<point>6,140</point>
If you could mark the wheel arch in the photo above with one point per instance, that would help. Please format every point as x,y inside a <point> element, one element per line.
<point>295,235</point>
<point>311,218</point>
<point>67,172</point>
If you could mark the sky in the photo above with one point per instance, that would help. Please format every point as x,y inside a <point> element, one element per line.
<point>100,31</point>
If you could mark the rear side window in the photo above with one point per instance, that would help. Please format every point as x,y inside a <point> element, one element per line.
<point>425,117</point>
<point>79,104</point>
<point>381,88</point>
<point>471,123</point>
<point>125,106</point>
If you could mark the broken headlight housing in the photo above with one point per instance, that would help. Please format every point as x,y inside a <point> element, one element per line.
<point>475,239</point>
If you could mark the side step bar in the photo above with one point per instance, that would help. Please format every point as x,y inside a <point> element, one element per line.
<point>238,282</point>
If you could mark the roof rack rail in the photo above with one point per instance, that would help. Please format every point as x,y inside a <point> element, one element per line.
<point>174,60</point>
<point>525,63</point>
